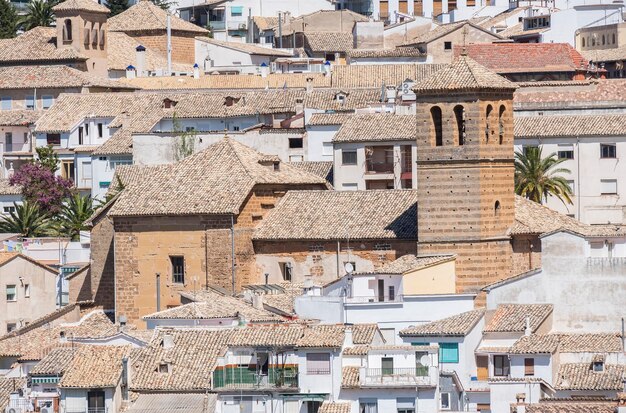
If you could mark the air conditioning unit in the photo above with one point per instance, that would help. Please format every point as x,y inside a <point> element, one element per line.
<point>14,410</point>
<point>46,410</point>
<point>243,26</point>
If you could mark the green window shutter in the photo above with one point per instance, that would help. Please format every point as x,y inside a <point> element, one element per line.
<point>448,352</point>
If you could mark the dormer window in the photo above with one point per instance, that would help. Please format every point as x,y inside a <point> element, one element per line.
<point>598,366</point>
<point>67,30</point>
<point>169,103</point>
<point>277,166</point>
<point>230,101</point>
<point>163,368</point>
<point>341,97</point>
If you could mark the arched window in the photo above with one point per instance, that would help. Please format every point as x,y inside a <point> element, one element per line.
<point>613,38</point>
<point>501,124</point>
<point>459,115</point>
<point>496,208</point>
<point>603,40</point>
<point>488,130</point>
<point>583,42</point>
<point>435,114</point>
<point>67,30</point>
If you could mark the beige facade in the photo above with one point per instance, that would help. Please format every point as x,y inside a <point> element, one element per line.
<point>183,44</point>
<point>435,279</point>
<point>28,291</point>
<point>441,49</point>
<point>610,36</point>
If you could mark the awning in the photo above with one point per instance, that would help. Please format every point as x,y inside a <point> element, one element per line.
<point>307,397</point>
<point>236,10</point>
<point>43,380</point>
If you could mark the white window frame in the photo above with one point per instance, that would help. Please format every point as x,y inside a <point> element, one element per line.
<point>14,293</point>
<point>449,398</point>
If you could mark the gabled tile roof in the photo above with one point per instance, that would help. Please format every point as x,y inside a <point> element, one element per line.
<point>385,53</point>
<point>372,214</point>
<point>7,386</point>
<point>410,262</point>
<point>607,91</point>
<point>571,406</point>
<point>456,326</point>
<point>80,5</point>
<point>446,29</point>
<point>37,45</point>
<point>323,169</point>
<point>377,127</point>
<point>512,317</point>
<point>146,16</point>
<point>328,119</point>
<point>95,366</point>
<point>6,188</point>
<point>216,180</point>
<point>605,55</point>
<point>55,363</point>
<point>570,126</point>
<point>53,77</point>
<point>282,296</point>
<point>373,76</point>
<point>19,117</point>
<point>335,407</point>
<point>249,48</point>
<point>326,99</point>
<point>580,376</point>
<point>568,343</point>
<point>350,378</point>
<point>464,74</point>
<point>364,333</point>
<point>328,41</point>
<point>265,23</point>
<point>174,403</point>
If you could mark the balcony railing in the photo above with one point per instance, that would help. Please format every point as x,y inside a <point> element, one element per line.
<point>390,377</point>
<point>374,299</point>
<point>217,24</point>
<point>88,410</point>
<point>379,167</point>
<point>244,378</point>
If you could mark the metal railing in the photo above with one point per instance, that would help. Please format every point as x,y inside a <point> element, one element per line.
<point>88,410</point>
<point>379,167</point>
<point>244,378</point>
<point>387,376</point>
<point>217,24</point>
<point>375,299</point>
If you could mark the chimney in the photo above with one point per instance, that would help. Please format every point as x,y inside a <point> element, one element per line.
<point>267,278</point>
<point>327,68</point>
<point>348,340</point>
<point>125,378</point>
<point>621,402</point>
<point>264,70</point>
<point>257,301</point>
<point>391,94</point>
<point>130,72</point>
<point>140,53</point>
<point>196,71</point>
<point>520,405</point>
<point>527,331</point>
<point>309,84</point>
<point>168,341</point>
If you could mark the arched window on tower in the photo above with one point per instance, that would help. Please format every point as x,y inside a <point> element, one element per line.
<point>459,115</point>
<point>488,130</point>
<point>501,124</point>
<point>67,30</point>
<point>496,208</point>
<point>435,114</point>
<point>583,42</point>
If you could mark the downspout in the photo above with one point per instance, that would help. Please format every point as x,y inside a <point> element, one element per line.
<point>578,194</point>
<point>232,245</point>
<point>206,259</point>
<point>158,291</point>
<point>338,257</point>
<point>114,272</point>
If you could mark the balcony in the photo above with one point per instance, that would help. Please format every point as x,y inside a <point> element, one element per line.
<point>234,378</point>
<point>423,376</point>
<point>88,410</point>
<point>217,25</point>
<point>372,167</point>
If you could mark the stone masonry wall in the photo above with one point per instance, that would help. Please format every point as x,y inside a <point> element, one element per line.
<point>102,271</point>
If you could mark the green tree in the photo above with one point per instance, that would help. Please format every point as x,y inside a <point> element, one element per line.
<point>117,6</point>
<point>185,144</point>
<point>38,13</point>
<point>27,220</point>
<point>8,20</point>
<point>47,157</point>
<point>536,177</point>
<point>75,211</point>
<point>165,4</point>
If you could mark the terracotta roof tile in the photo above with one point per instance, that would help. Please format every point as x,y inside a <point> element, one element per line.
<point>7,189</point>
<point>512,317</point>
<point>385,53</point>
<point>605,55</point>
<point>373,214</point>
<point>37,45</point>
<point>323,169</point>
<point>580,376</point>
<point>326,99</point>
<point>7,386</point>
<point>95,366</point>
<point>571,406</point>
<point>52,77</point>
<point>19,117</point>
<point>609,91</point>
<point>55,363</point>
<point>568,343</point>
<point>281,297</point>
<point>80,5</point>
<point>350,378</point>
<point>335,407</point>
<point>410,262</point>
<point>146,16</point>
<point>121,52</point>
<point>373,76</point>
<point>265,23</point>
<point>378,127</point>
<point>457,325</point>
<point>570,125</point>
<point>328,41</point>
<point>364,333</point>
<point>327,119</point>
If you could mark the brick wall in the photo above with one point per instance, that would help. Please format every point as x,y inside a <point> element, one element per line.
<point>183,45</point>
<point>526,253</point>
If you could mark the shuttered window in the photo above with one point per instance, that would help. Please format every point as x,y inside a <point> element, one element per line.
<point>384,9</point>
<point>403,6</point>
<point>448,352</point>
<point>529,367</point>
<point>318,363</point>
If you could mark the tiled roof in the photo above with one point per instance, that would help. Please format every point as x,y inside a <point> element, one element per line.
<point>373,76</point>
<point>580,376</point>
<point>322,336</point>
<point>283,299</point>
<point>37,45</point>
<point>610,91</point>
<point>95,366</point>
<point>410,262</point>
<point>19,117</point>
<point>350,378</point>
<point>289,335</point>
<point>80,5</point>
<point>319,168</point>
<point>335,407</point>
<point>512,317</point>
<point>570,126</point>
<point>6,256</point>
<point>249,48</point>
<point>605,55</point>
<point>216,180</point>
<point>7,386</point>
<point>7,189</point>
<point>121,52</point>
<point>383,53</point>
<point>55,363</point>
<point>456,326</point>
<point>363,333</point>
<point>362,350</point>
<point>265,23</point>
<point>464,74</point>
<point>373,214</point>
<point>568,343</point>
<point>146,16</point>
<point>445,29</point>
<point>52,77</point>
<point>327,119</point>
<point>174,402</point>
<point>571,406</point>
<point>326,99</point>
<point>525,57</point>
<point>328,41</point>
<point>533,218</point>
<point>377,127</point>
<point>215,305</point>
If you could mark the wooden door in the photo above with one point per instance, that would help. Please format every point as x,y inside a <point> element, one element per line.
<point>482,367</point>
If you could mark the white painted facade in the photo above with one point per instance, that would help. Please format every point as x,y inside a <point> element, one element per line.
<point>75,400</point>
<point>212,57</point>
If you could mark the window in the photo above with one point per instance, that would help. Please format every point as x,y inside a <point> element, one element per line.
<point>26,290</point>
<point>47,101</point>
<point>6,102</point>
<point>178,269</point>
<point>295,143</point>
<point>318,363</point>
<point>387,366</point>
<point>53,138</point>
<point>608,186</point>
<point>501,366</point>
<point>8,209</point>
<point>488,130</point>
<point>67,170</point>
<point>447,45</point>
<point>236,11</point>
<point>566,152</point>
<point>496,208</point>
<point>529,367</point>
<point>448,352</point>
<point>95,401</point>
<point>368,406</point>
<point>80,135</point>
<point>348,157</point>
<point>598,366</point>
<point>405,405</point>
<point>445,401</point>
<point>436,118</point>
<point>11,293</point>
<point>608,151</point>
<point>67,30</point>
<point>583,42</point>
<point>312,406</point>
<point>572,186</point>
<point>421,369</point>
<point>392,293</point>
<point>164,368</point>
<point>286,269</point>
<point>30,102</point>
<point>349,186</point>
<point>11,327</point>
<point>100,131</point>
<point>459,114</point>
<point>86,129</point>
<point>86,171</point>
<point>8,142</point>
<point>501,124</point>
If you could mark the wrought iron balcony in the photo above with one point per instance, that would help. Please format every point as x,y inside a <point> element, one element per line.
<point>245,378</point>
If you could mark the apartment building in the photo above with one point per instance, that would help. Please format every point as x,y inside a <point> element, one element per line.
<point>605,46</point>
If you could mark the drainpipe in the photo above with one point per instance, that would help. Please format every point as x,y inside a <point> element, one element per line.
<point>206,259</point>
<point>578,194</point>
<point>338,257</point>
<point>232,244</point>
<point>158,291</point>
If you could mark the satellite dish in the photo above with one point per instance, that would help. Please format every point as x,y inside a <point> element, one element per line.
<point>349,267</point>
<point>425,360</point>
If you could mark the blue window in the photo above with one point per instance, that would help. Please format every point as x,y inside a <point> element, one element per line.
<point>104,184</point>
<point>236,11</point>
<point>30,102</point>
<point>6,102</point>
<point>47,101</point>
<point>448,352</point>
<point>420,344</point>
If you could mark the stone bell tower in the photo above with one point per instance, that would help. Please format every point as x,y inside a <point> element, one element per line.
<point>81,27</point>
<point>465,170</point>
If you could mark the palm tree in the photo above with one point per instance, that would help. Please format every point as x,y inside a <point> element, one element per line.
<point>536,178</point>
<point>26,220</point>
<point>39,13</point>
<point>75,211</point>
